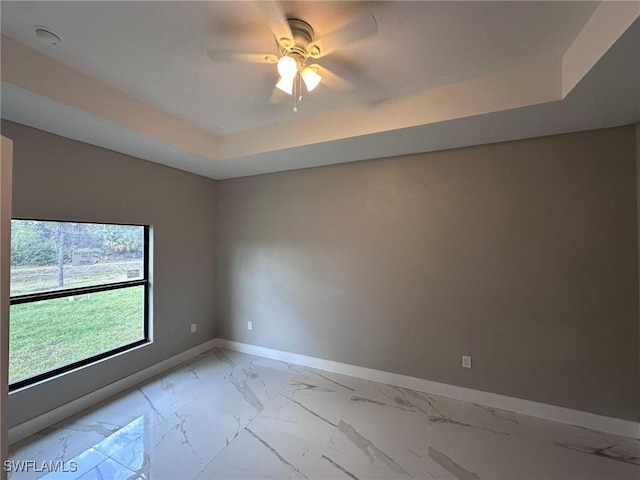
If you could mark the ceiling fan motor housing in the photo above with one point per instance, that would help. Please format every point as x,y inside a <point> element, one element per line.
<point>302,31</point>
<point>303,36</point>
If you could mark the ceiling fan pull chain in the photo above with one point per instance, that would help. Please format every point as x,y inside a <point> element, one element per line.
<point>295,101</point>
<point>296,92</point>
<point>300,88</point>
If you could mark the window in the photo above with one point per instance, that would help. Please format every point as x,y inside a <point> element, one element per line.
<point>79,293</point>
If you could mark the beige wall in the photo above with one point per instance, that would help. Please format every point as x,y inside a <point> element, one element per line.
<point>638,223</point>
<point>60,179</point>
<point>6,164</point>
<point>523,255</point>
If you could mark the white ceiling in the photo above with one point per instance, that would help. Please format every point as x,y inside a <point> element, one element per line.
<point>151,91</point>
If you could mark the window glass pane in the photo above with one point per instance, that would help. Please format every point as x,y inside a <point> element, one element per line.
<point>49,334</point>
<point>49,256</point>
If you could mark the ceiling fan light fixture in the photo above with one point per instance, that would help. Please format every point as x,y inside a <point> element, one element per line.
<point>311,78</point>
<point>286,85</point>
<point>287,67</point>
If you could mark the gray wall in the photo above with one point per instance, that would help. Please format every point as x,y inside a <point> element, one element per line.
<point>638,218</point>
<point>6,164</point>
<point>60,179</point>
<point>523,255</point>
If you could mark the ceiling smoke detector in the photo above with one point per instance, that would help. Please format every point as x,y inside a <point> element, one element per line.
<point>47,36</point>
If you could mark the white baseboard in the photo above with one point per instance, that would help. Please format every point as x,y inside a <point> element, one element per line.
<point>28,428</point>
<point>526,407</point>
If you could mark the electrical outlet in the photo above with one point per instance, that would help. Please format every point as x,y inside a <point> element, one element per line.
<point>466,361</point>
<point>249,325</point>
<point>193,327</point>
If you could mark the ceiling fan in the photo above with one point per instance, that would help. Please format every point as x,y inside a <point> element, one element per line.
<point>296,47</point>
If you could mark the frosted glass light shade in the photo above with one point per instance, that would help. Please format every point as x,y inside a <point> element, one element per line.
<point>311,78</point>
<point>286,84</point>
<point>287,67</point>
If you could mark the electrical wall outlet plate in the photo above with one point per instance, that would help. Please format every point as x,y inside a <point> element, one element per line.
<point>466,361</point>
<point>193,327</point>
<point>249,325</point>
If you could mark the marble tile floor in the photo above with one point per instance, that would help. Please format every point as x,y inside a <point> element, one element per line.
<point>234,416</point>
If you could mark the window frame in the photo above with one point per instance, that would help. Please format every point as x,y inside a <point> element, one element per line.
<point>68,292</point>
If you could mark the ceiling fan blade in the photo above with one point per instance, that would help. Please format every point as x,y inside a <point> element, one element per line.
<point>361,27</point>
<point>246,57</point>
<point>276,19</point>
<point>332,79</point>
<point>235,29</point>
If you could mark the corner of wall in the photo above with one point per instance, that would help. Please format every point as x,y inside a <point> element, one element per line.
<point>638,215</point>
